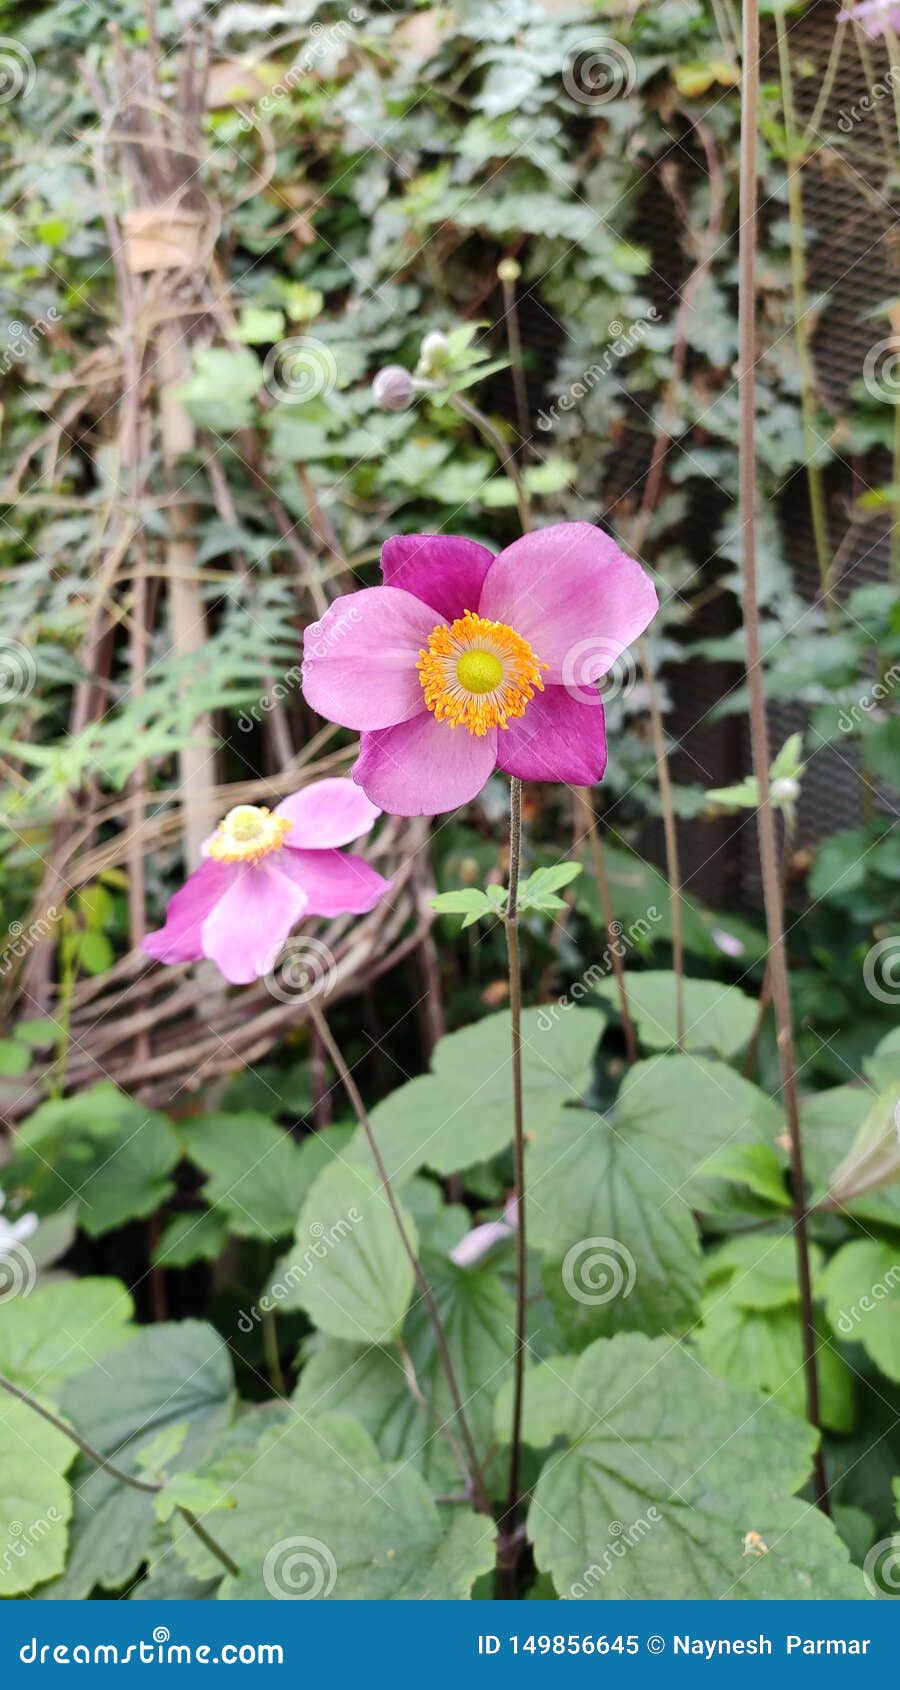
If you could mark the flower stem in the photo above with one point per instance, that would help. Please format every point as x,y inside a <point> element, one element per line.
<point>505,457</point>
<point>115,1472</point>
<point>670,834</point>
<point>768,849</point>
<point>507,1542</point>
<point>514,343</point>
<point>473,1474</point>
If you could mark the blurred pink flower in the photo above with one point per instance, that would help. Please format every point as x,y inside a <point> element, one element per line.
<point>263,871</point>
<point>463,662</point>
<point>874,15</point>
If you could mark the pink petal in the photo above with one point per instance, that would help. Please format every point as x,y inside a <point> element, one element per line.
<point>329,812</point>
<point>359,662</point>
<point>246,929</point>
<point>180,939</point>
<point>443,570</point>
<point>573,595</point>
<point>335,882</point>
<point>424,767</point>
<point>558,738</point>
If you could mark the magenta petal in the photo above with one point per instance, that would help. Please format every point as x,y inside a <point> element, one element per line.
<point>558,738</point>
<point>574,595</point>
<point>329,812</point>
<point>335,882</point>
<point>424,767</point>
<point>246,929</point>
<point>180,939</point>
<point>444,570</point>
<point>359,662</point>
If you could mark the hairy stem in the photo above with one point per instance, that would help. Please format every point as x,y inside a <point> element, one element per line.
<point>119,1473</point>
<point>506,1564</point>
<point>768,849</point>
<point>473,1472</point>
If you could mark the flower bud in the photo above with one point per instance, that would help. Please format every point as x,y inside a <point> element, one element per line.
<point>786,790</point>
<point>509,270</point>
<point>393,388</point>
<point>433,353</point>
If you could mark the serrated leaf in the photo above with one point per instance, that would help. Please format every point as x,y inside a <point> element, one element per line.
<point>58,1328</point>
<point>679,1468</point>
<point>347,1268</point>
<point>35,1499</point>
<point>256,1179</point>
<point>317,1513</point>
<point>719,1019</point>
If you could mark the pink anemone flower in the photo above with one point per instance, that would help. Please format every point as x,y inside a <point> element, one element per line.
<point>875,16</point>
<point>262,871</point>
<point>465,662</point>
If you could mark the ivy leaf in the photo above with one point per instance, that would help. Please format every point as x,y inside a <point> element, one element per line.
<point>166,1374</point>
<point>220,393</point>
<point>462,1113</point>
<point>862,1300</point>
<point>347,1268</point>
<point>677,1469</point>
<point>478,1317</point>
<point>718,1018</point>
<point>317,1513</point>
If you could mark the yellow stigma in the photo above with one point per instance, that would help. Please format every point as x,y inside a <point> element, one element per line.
<point>246,834</point>
<point>478,673</point>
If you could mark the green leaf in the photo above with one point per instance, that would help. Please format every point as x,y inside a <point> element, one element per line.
<point>757,1270</point>
<point>718,1018</point>
<point>478,1317</point>
<point>14,1056</point>
<point>35,1500</point>
<point>258,326</point>
<point>220,393</point>
<point>256,1177</point>
<point>347,1268</point>
<point>676,1469</point>
<point>539,891</point>
<point>200,1236</point>
<point>470,902</point>
<point>461,1113</point>
<point>862,1300</point>
<point>680,1110</point>
<point>317,1513</point>
<point>190,1490</point>
<point>621,1244</point>
<point>765,1349</point>
<point>50,1334</point>
<point>166,1374</point>
<point>753,1165</point>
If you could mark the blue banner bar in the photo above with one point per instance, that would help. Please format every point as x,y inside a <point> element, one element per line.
<point>450,1644</point>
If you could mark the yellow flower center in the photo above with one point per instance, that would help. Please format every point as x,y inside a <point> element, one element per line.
<point>478,673</point>
<point>247,833</point>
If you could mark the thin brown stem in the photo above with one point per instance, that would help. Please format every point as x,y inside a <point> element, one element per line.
<point>768,849</point>
<point>583,801</point>
<point>473,1473</point>
<point>508,1542</point>
<point>514,342</point>
<point>93,1455</point>
<point>670,835</point>
<point>498,445</point>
